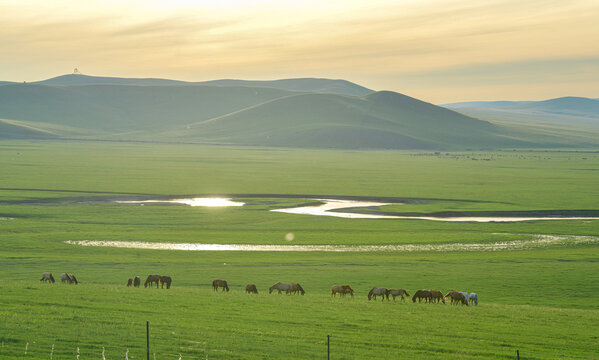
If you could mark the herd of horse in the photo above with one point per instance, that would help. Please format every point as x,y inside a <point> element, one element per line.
<point>429,296</point>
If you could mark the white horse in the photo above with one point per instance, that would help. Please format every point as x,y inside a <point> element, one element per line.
<point>465,295</point>
<point>474,297</point>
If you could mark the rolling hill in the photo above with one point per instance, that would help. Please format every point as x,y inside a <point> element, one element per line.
<point>286,114</point>
<point>564,110</point>
<point>331,86</point>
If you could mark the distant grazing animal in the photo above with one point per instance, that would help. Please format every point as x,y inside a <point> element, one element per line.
<point>136,281</point>
<point>130,282</point>
<point>72,279</point>
<point>457,297</point>
<point>280,287</point>
<point>220,283</point>
<point>466,296</point>
<point>152,279</point>
<point>64,277</point>
<point>397,292</point>
<point>295,289</point>
<point>342,290</point>
<point>165,279</point>
<point>69,278</point>
<point>374,292</point>
<point>422,294</point>
<point>437,296</point>
<point>474,298</point>
<point>47,277</point>
<point>251,289</point>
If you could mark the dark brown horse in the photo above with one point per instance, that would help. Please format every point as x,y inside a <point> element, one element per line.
<point>129,282</point>
<point>136,281</point>
<point>398,292</point>
<point>374,292</point>
<point>422,294</point>
<point>251,289</point>
<point>220,283</point>
<point>342,290</point>
<point>152,279</point>
<point>295,289</point>
<point>165,279</point>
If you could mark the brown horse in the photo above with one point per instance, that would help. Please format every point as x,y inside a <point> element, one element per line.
<point>251,289</point>
<point>136,281</point>
<point>152,279</point>
<point>457,298</point>
<point>220,283</point>
<point>47,277</point>
<point>422,294</point>
<point>129,282</point>
<point>397,292</point>
<point>342,290</point>
<point>165,279</point>
<point>295,289</point>
<point>374,292</point>
<point>437,296</point>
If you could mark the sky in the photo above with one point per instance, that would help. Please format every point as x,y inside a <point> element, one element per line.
<point>439,51</point>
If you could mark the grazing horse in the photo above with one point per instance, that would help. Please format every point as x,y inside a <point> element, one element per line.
<point>280,287</point>
<point>342,290</point>
<point>47,277</point>
<point>64,277</point>
<point>129,282</point>
<point>397,292</point>
<point>165,279</point>
<point>457,297</point>
<point>374,292</point>
<point>422,294</point>
<point>152,279</point>
<point>72,279</point>
<point>437,296</point>
<point>251,289</point>
<point>473,298</point>
<point>220,283</point>
<point>295,289</point>
<point>136,281</point>
<point>466,296</point>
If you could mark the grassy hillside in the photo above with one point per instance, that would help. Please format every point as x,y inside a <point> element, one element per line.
<point>111,110</point>
<point>379,120</point>
<point>333,86</point>
<point>243,114</point>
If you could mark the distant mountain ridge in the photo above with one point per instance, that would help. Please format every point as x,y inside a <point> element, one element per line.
<point>308,113</point>
<point>564,110</point>
<point>343,87</point>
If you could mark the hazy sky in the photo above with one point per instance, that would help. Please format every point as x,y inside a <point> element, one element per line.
<point>438,50</point>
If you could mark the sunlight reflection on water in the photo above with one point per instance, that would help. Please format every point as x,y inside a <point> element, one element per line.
<point>535,241</point>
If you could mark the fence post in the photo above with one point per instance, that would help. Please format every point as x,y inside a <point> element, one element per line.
<point>148,338</point>
<point>518,354</point>
<point>328,347</point>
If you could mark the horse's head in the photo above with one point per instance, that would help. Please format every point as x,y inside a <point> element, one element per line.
<point>270,289</point>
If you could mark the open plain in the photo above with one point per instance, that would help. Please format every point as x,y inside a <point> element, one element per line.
<point>540,300</point>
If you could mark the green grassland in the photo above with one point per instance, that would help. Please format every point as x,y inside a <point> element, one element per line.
<point>541,301</point>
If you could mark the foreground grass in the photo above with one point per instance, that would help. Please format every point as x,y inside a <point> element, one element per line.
<point>542,301</point>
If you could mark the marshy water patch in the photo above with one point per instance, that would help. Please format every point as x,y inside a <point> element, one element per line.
<point>534,241</point>
<point>203,201</point>
<point>331,207</point>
